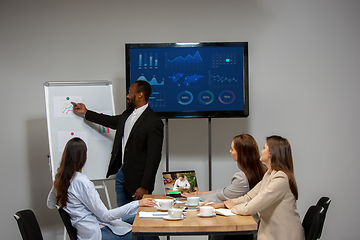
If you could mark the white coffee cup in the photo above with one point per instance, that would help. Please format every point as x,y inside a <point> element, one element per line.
<point>165,203</point>
<point>175,213</point>
<point>193,201</point>
<point>206,210</point>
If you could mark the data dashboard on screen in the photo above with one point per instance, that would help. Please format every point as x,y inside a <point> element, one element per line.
<point>192,79</point>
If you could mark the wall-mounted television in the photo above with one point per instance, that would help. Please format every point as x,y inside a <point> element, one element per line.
<point>207,79</point>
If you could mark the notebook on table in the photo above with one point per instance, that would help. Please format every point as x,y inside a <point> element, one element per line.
<point>176,182</point>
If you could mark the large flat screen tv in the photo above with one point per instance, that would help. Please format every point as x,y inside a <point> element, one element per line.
<point>192,79</point>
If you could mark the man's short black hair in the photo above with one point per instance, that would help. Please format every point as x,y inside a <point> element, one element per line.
<point>144,87</point>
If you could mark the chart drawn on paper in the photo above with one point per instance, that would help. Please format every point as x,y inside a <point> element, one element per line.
<point>63,106</point>
<point>101,132</point>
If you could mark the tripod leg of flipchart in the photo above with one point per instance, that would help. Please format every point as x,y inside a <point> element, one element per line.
<point>65,233</point>
<point>107,195</point>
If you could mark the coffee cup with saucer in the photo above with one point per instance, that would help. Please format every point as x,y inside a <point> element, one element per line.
<point>206,211</point>
<point>193,201</point>
<point>164,204</point>
<point>174,214</point>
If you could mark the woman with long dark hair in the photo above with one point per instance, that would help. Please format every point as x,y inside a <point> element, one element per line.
<point>77,195</point>
<point>244,150</point>
<point>274,198</point>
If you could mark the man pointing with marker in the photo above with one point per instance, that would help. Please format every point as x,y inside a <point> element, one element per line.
<point>137,147</point>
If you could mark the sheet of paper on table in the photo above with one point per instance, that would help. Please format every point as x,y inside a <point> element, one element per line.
<point>143,214</point>
<point>224,212</point>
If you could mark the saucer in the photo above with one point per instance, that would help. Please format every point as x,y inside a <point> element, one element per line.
<point>172,219</point>
<point>191,205</point>
<point>162,209</point>
<point>212,215</point>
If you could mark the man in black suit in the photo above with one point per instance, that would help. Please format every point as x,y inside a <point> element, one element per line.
<point>136,152</point>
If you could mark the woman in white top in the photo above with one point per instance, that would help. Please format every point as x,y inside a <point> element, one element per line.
<point>245,152</point>
<point>76,194</point>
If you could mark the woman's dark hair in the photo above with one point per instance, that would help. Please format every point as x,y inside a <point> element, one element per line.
<point>144,87</point>
<point>281,159</point>
<point>73,160</point>
<point>248,158</point>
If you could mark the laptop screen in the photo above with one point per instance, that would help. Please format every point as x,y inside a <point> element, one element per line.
<point>176,182</point>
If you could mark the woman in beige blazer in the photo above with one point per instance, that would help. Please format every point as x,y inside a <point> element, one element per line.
<point>274,197</point>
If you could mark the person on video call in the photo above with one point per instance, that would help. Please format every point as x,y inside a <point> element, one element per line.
<point>136,152</point>
<point>274,197</point>
<point>244,150</point>
<point>76,194</point>
<point>181,183</point>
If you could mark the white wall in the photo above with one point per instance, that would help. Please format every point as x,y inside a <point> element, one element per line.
<point>304,70</point>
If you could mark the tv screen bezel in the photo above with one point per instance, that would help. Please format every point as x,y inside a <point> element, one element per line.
<point>196,114</point>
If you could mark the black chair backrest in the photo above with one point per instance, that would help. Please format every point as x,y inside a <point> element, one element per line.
<point>323,202</point>
<point>28,225</point>
<point>312,222</point>
<point>66,220</point>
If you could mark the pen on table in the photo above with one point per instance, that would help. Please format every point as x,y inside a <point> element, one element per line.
<point>157,203</point>
<point>208,203</point>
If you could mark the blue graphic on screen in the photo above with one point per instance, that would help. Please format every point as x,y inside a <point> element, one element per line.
<point>185,98</point>
<point>177,61</point>
<point>220,81</point>
<point>153,81</point>
<point>206,78</point>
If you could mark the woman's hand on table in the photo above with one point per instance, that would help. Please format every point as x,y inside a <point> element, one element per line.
<point>193,194</point>
<point>214,205</point>
<point>206,202</point>
<point>147,202</point>
<point>229,204</point>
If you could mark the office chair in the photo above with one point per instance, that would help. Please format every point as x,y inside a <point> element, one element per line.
<point>65,217</point>
<point>312,222</point>
<point>28,225</point>
<point>323,202</point>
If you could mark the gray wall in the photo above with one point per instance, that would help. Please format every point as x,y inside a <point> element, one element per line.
<point>304,70</point>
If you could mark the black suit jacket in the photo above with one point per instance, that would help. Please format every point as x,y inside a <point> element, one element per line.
<point>142,151</point>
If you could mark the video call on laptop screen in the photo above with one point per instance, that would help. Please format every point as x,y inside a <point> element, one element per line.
<point>177,182</point>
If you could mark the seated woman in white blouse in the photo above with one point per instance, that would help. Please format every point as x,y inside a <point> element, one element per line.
<point>274,198</point>
<point>76,194</point>
<point>245,152</point>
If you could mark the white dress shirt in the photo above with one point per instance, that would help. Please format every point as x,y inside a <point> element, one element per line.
<point>87,211</point>
<point>130,121</point>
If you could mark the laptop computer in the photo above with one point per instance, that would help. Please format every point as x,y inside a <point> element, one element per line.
<point>176,182</point>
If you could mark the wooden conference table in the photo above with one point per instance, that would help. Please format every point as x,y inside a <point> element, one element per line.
<point>192,224</point>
